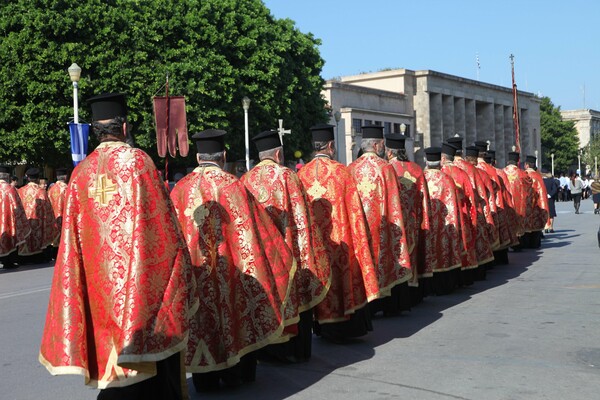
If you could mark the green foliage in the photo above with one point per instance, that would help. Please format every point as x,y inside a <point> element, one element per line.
<point>558,137</point>
<point>214,51</point>
<point>591,153</point>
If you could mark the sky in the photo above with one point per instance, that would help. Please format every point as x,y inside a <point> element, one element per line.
<point>556,44</point>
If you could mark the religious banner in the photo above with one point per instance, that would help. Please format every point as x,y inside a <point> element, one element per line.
<point>171,125</point>
<point>79,141</point>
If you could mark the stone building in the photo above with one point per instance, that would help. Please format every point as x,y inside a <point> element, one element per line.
<point>587,123</point>
<point>430,107</point>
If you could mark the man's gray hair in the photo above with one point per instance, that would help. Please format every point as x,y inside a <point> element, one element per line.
<point>215,157</point>
<point>318,146</point>
<point>433,164</point>
<point>269,153</point>
<point>5,176</point>
<point>369,144</point>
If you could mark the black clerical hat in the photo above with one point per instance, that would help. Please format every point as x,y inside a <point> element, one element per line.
<point>433,154</point>
<point>456,141</point>
<point>471,151</point>
<point>322,132</point>
<point>267,140</point>
<point>481,145</point>
<point>395,141</point>
<point>372,132</point>
<point>513,156</point>
<point>448,149</point>
<point>531,159</point>
<point>108,106</point>
<point>492,154</point>
<point>32,172</point>
<point>61,171</point>
<point>487,157</point>
<point>210,141</point>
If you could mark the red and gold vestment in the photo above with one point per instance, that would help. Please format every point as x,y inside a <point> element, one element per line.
<point>279,191</point>
<point>41,219</point>
<point>123,287</point>
<point>477,249</point>
<point>243,267</point>
<point>14,227</point>
<point>520,187</point>
<point>538,218</point>
<point>57,195</point>
<point>481,190</point>
<point>377,187</point>
<point>332,194</point>
<point>445,222</point>
<point>414,198</point>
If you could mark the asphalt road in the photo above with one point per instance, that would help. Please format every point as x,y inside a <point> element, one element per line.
<point>530,331</point>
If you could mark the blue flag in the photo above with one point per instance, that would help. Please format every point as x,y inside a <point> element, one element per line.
<point>79,141</point>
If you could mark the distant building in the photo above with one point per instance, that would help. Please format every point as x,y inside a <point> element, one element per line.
<point>430,106</point>
<point>587,123</point>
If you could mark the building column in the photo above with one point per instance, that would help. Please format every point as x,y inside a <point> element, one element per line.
<point>435,119</point>
<point>470,120</point>
<point>447,117</point>
<point>459,117</point>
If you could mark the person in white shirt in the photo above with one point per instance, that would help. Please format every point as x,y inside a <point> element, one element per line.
<point>576,187</point>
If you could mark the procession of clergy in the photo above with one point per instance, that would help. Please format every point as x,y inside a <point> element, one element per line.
<point>223,271</point>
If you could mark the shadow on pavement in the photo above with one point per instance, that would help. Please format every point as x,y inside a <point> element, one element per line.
<point>279,381</point>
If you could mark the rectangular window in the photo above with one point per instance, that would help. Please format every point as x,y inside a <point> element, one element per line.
<point>387,128</point>
<point>356,124</point>
<point>378,123</point>
<point>396,128</point>
<point>368,122</point>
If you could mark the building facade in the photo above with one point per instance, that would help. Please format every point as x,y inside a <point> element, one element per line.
<point>587,123</point>
<point>429,107</point>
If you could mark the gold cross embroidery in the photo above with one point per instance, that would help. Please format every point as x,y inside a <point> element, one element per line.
<point>366,186</point>
<point>316,191</point>
<point>105,190</point>
<point>407,180</point>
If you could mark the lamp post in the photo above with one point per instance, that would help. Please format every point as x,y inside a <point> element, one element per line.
<point>75,74</point>
<point>579,162</point>
<point>402,128</point>
<point>337,116</point>
<point>536,158</point>
<point>246,106</point>
<point>552,158</point>
<point>596,167</point>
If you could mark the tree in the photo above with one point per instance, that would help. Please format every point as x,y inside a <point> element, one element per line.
<point>591,153</point>
<point>214,51</point>
<point>558,137</point>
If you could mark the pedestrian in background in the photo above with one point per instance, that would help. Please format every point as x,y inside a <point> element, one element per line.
<point>595,186</point>
<point>552,188</point>
<point>576,188</point>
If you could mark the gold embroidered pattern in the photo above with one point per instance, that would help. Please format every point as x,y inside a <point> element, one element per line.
<point>317,190</point>
<point>104,191</point>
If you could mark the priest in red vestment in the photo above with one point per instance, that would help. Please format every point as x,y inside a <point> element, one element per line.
<point>41,218</point>
<point>377,186</point>
<point>501,216</point>
<point>123,287</point>
<point>414,198</point>
<point>14,227</point>
<point>446,254</point>
<point>279,191</point>
<point>538,218</point>
<point>57,195</point>
<point>477,250</point>
<point>244,270</point>
<point>509,208</point>
<point>519,185</point>
<point>338,211</point>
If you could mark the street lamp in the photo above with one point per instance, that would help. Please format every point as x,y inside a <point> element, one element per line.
<point>75,74</point>
<point>536,157</point>
<point>246,106</point>
<point>552,157</point>
<point>337,116</point>
<point>579,162</point>
<point>402,128</point>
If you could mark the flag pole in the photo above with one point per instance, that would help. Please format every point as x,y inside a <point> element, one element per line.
<point>515,107</point>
